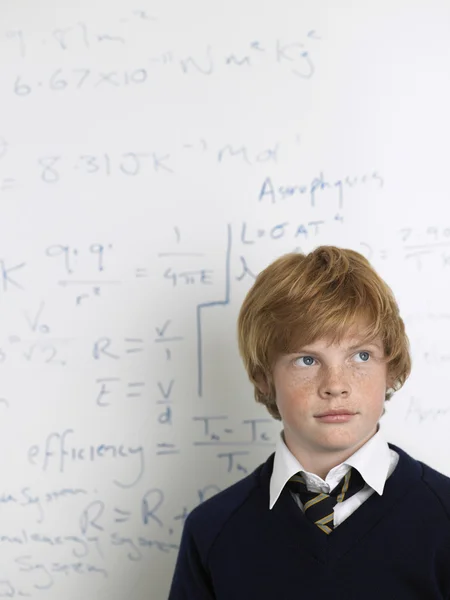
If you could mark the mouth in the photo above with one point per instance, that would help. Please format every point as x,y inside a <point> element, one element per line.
<point>335,411</point>
<point>340,417</point>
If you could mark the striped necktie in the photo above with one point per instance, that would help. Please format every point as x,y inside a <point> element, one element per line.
<point>318,507</point>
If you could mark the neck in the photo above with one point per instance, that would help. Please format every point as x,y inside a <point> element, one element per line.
<point>321,460</point>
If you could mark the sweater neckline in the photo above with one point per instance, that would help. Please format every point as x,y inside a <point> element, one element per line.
<point>306,537</point>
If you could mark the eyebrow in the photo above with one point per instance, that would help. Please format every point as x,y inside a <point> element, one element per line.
<point>367,344</point>
<point>352,347</point>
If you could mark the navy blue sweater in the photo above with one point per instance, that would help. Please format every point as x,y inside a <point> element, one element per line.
<point>395,546</point>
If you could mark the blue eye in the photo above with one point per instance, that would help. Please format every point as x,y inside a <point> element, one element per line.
<point>364,355</point>
<point>306,359</point>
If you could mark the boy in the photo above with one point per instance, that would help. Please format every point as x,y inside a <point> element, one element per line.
<point>336,511</point>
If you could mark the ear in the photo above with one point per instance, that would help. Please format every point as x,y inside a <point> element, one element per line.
<point>262,384</point>
<point>390,381</point>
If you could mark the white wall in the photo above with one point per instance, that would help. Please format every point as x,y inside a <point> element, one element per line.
<point>153,157</point>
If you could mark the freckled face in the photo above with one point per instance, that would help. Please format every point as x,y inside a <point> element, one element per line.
<point>350,376</point>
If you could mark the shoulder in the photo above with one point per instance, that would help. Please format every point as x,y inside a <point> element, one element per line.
<point>439,485</point>
<point>206,521</point>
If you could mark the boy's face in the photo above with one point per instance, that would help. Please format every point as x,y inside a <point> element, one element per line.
<point>351,376</point>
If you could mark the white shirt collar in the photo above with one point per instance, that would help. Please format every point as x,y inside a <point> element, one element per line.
<point>372,460</point>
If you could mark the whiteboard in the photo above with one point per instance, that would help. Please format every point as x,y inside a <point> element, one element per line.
<point>154,157</point>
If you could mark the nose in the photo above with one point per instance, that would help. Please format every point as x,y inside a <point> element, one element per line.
<point>334,383</point>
